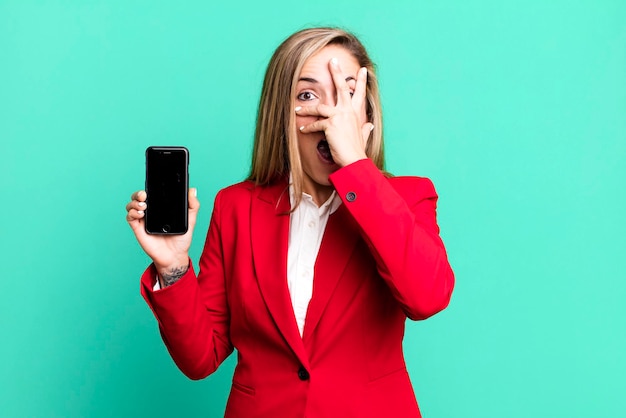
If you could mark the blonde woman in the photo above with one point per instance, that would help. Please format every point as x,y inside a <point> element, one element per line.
<point>313,264</point>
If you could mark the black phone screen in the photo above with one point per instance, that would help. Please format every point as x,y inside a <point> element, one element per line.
<point>167,183</point>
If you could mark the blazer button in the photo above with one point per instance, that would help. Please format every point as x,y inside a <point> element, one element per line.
<point>303,374</point>
<point>350,196</point>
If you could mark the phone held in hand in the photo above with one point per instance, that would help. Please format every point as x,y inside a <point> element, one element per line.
<point>167,185</point>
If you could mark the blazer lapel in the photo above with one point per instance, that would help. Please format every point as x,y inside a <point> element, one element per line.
<point>340,238</point>
<point>270,242</point>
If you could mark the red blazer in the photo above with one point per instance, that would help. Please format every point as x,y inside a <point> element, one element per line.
<point>381,260</point>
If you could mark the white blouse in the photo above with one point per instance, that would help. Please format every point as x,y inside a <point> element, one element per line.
<point>306,228</point>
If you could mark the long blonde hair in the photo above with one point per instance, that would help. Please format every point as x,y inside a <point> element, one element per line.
<point>275,153</point>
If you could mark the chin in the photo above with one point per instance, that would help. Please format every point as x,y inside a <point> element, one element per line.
<point>323,178</point>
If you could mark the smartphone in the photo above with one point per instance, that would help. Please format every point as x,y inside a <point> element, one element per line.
<point>167,185</point>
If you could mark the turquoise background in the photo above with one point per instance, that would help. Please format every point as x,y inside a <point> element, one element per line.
<point>515,109</point>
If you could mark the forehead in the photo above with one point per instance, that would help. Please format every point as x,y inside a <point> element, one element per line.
<point>318,62</point>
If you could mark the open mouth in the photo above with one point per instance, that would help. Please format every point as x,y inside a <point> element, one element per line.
<point>323,150</point>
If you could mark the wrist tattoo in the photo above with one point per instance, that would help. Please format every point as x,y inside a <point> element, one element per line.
<point>172,276</point>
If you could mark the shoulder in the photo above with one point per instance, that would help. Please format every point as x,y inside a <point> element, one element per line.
<point>364,175</point>
<point>241,194</point>
<point>239,190</point>
<point>235,195</point>
<point>420,187</point>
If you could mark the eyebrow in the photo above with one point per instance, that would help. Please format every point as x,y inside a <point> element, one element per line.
<point>314,81</point>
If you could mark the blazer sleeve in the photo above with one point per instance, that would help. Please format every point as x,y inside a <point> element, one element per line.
<point>193,313</point>
<point>397,220</point>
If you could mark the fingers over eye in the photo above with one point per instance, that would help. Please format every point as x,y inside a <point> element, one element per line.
<point>361,84</point>
<point>317,110</point>
<point>343,89</point>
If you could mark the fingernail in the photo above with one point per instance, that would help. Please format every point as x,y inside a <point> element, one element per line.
<point>334,61</point>
<point>195,192</point>
<point>364,71</point>
<point>298,108</point>
<point>301,128</point>
<point>142,204</point>
<point>372,128</point>
<point>140,212</point>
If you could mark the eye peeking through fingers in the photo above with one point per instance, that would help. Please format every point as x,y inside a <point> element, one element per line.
<point>306,96</point>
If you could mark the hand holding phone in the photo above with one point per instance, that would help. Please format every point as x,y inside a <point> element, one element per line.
<point>168,251</point>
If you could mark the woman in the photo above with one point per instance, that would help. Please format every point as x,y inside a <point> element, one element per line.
<point>312,265</point>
